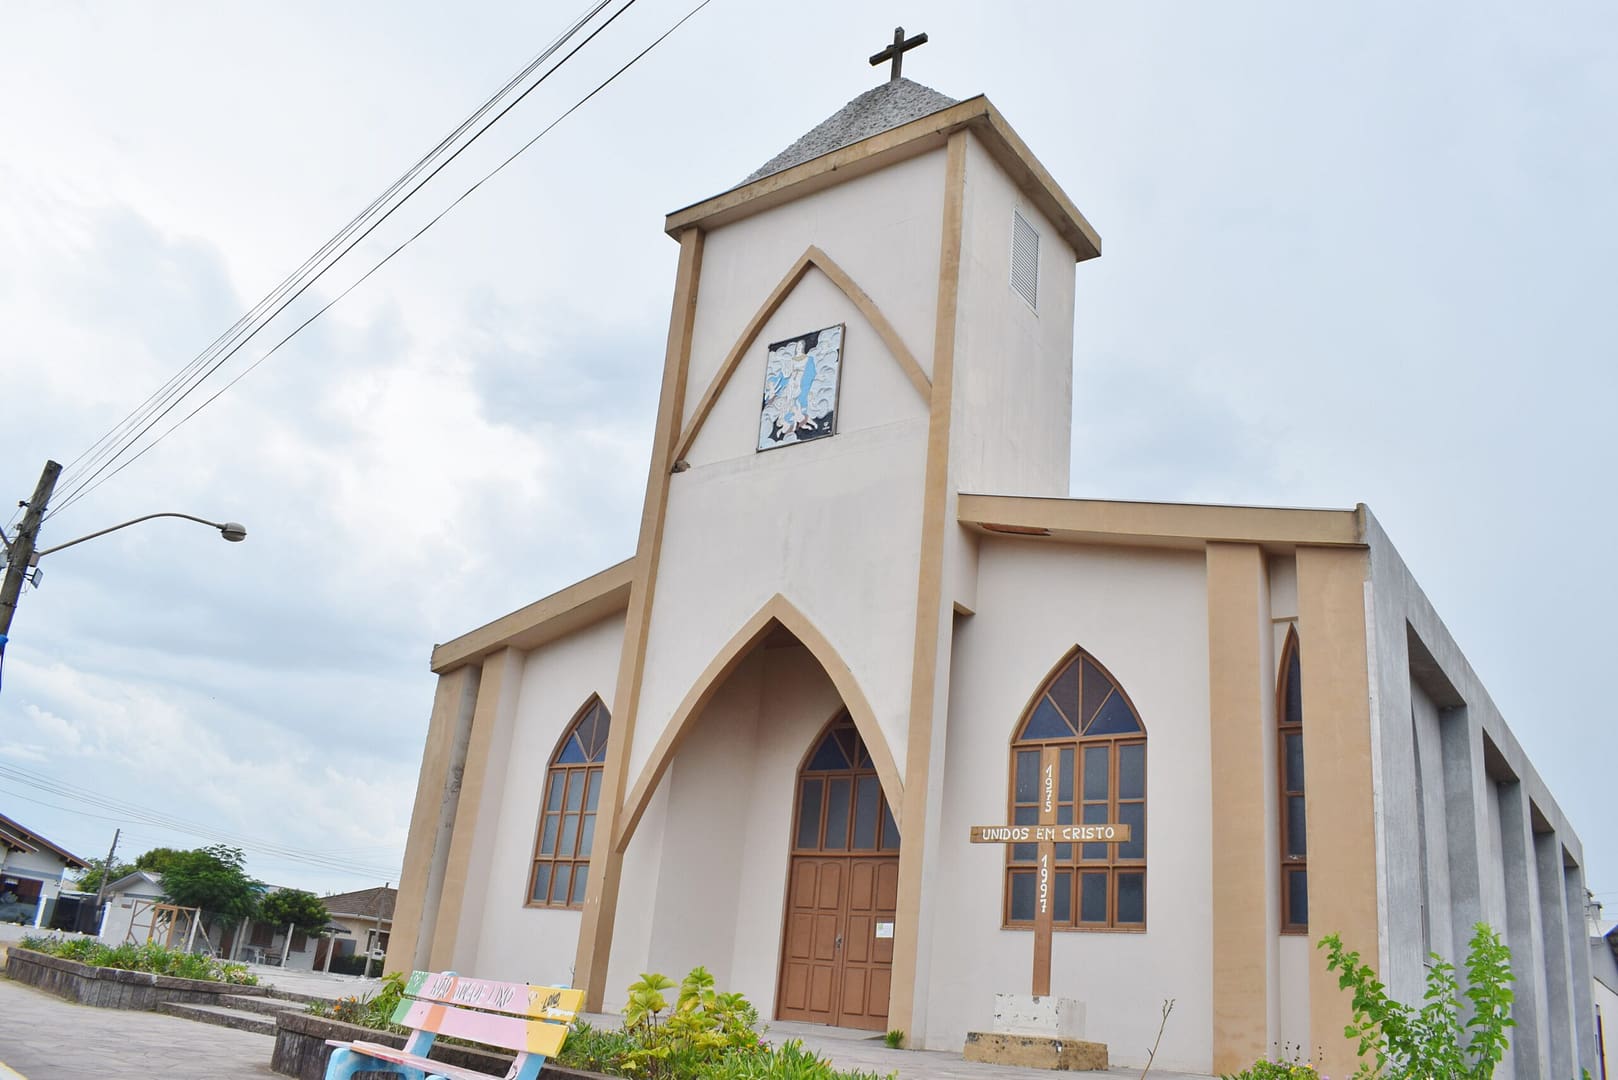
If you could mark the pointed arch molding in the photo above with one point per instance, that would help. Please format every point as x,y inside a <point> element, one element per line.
<point>777,610</point>
<point>859,297</point>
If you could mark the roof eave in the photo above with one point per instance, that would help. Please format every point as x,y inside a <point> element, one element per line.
<point>573,608</point>
<point>1187,526</point>
<point>889,147</point>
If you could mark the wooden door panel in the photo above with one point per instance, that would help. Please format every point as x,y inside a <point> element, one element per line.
<point>810,952</point>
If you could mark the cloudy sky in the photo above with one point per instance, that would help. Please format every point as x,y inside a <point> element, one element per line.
<point>1358,253</point>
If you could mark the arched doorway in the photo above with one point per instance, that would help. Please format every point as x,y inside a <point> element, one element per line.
<point>842,888</point>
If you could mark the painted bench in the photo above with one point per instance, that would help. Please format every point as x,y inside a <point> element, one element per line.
<point>532,1020</point>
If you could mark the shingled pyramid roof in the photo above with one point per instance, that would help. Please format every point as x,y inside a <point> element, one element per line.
<point>895,102</point>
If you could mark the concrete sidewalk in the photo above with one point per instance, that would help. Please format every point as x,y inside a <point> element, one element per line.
<point>44,1037</point>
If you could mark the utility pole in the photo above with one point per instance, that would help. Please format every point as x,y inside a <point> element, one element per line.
<point>20,551</point>
<point>106,870</point>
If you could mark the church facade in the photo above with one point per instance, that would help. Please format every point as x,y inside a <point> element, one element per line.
<point>863,610</point>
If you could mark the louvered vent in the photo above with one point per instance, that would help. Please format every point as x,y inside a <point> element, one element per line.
<point>1024,259</point>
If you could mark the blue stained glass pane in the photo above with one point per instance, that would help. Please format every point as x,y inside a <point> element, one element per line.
<point>1096,687</point>
<point>547,836</point>
<point>1133,814</point>
<point>542,883</point>
<point>1026,788</point>
<point>560,883</point>
<point>1094,814</point>
<point>809,813</point>
<point>587,835</point>
<point>572,752</point>
<point>575,788</point>
<point>1064,816</point>
<point>1025,815</point>
<point>1298,897</point>
<point>581,878</point>
<point>603,728</point>
<point>553,797</point>
<point>1297,833</point>
<point>1093,898</point>
<point>1294,702</point>
<point>829,757</point>
<point>1294,762</point>
<point>867,793</point>
<point>1064,772</point>
<point>1132,771</point>
<point>1065,691</point>
<point>587,731</point>
<point>848,739</point>
<point>1131,898</point>
<point>1046,723</point>
<point>1062,898</point>
<point>890,829</point>
<point>838,794</point>
<point>594,797</point>
<point>1022,897</point>
<point>1096,767</point>
<point>1114,718</point>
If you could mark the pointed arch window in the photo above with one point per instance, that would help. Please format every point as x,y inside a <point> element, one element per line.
<point>1294,835</point>
<point>567,811</point>
<point>1085,714</point>
<point>841,808</point>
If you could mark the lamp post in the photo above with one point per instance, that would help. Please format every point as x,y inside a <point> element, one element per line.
<point>22,559</point>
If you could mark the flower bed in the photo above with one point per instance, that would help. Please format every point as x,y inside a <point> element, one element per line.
<point>112,988</point>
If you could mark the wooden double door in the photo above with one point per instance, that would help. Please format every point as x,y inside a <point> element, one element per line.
<point>842,890</point>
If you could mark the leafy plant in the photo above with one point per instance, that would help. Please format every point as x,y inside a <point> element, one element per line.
<point>895,1039</point>
<point>1275,1070</point>
<point>148,957</point>
<point>1411,1042</point>
<point>303,910</point>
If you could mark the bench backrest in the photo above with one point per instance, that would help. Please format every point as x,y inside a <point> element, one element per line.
<point>516,1016</point>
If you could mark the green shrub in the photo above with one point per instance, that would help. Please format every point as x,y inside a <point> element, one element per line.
<point>895,1039</point>
<point>150,957</point>
<point>1275,1070</point>
<point>1411,1042</point>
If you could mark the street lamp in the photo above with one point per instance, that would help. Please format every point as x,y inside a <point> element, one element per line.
<point>22,560</point>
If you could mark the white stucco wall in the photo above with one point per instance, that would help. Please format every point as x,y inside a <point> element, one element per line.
<point>719,832</point>
<point>833,524</point>
<point>504,938</point>
<point>43,866</point>
<point>1143,614</point>
<point>1013,363</point>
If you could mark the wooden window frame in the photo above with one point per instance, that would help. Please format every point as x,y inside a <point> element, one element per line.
<point>854,774</point>
<point>1074,866</point>
<point>559,778</point>
<point>1284,728</point>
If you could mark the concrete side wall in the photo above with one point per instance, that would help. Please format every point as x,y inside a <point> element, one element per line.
<point>502,937</point>
<point>1505,849</point>
<point>1143,614</point>
<point>1013,362</point>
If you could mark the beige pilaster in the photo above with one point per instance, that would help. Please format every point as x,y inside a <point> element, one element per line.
<point>1239,685</point>
<point>500,675</point>
<point>932,621</point>
<point>1338,799</point>
<point>437,790</point>
<point>606,861</point>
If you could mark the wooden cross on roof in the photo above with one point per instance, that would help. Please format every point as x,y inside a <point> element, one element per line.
<point>896,51</point>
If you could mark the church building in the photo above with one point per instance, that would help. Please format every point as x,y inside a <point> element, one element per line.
<point>866,624</point>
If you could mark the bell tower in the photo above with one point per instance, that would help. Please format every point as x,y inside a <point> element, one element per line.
<point>876,320</point>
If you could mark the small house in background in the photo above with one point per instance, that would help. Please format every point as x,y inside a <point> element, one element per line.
<point>128,901</point>
<point>367,916</point>
<point>31,870</point>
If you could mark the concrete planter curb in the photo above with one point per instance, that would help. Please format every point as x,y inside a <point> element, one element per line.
<point>301,1050</point>
<point>112,988</point>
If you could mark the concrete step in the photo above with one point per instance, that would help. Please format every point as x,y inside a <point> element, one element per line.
<point>294,996</point>
<point>263,1004</point>
<point>221,1016</point>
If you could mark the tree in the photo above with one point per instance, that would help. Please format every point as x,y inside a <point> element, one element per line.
<point>302,909</point>
<point>213,879</point>
<point>90,880</point>
<point>158,859</point>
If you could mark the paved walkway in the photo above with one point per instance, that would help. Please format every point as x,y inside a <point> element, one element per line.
<point>43,1037</point>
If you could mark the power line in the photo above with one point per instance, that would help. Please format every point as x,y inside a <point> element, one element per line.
<point>126,811</point>
<point>82,482</point>
<point>389,256</point>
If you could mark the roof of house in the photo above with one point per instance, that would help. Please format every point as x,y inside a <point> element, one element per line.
<point>137,877</point>
<point>21,838</point>
<point>895,102</point>
<point>363,903</point>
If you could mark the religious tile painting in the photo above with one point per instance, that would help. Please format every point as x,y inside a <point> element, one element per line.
<point>801,377</point>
